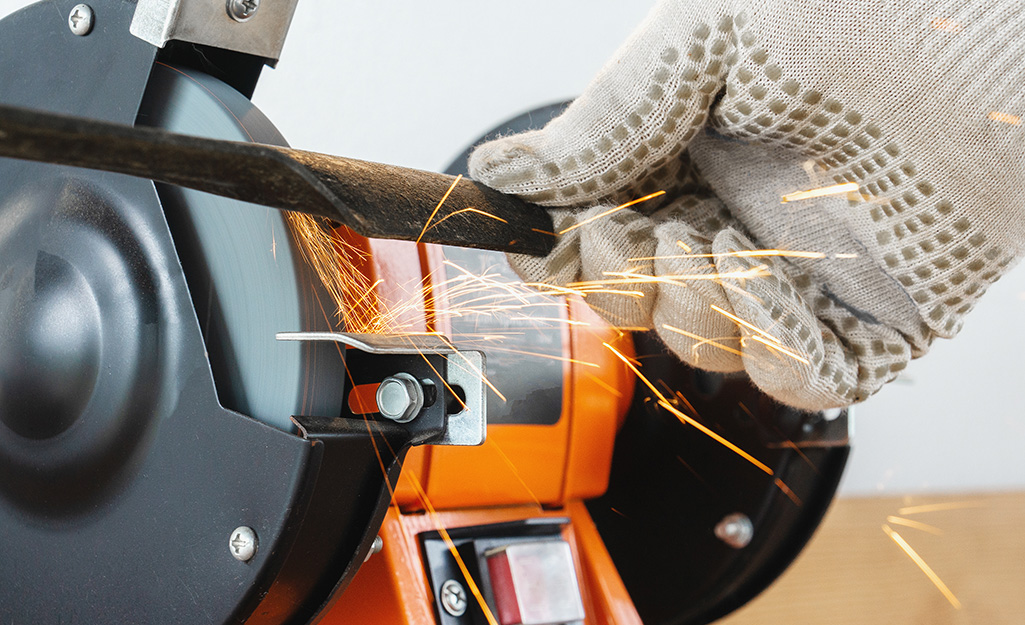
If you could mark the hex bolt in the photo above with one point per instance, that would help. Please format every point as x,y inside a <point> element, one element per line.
<point>453,598</point>
<point>400,397</point>
<point>80,20</point>
<point>736,530</point>
<point>243,543</point>
<point>243,10</point>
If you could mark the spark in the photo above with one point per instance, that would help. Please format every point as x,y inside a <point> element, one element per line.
<point>939,507</point>
<point>780,349</point>
<point>917,559</point>
<point>1006,118</point>
<point>945,23</point>
<point>450,544</point>
<point>683,246</point>
<point>469,210</point>
<point>630,277</point>
<point>572,361</point>
<point>665,403</point>
<point>472,368</point>
<point>438,207</point>
<point>701,340</point>
<point>336,263</point>
<point>746,324</point>
<point>605,385</point>
<point>918,525</point>
<point>750,254</point>
<point>650,196</point>
<point>516,472</point>
<point>836,189</point>
<point>789,493</point>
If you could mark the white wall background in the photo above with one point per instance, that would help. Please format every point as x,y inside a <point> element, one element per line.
<point>412,82</point>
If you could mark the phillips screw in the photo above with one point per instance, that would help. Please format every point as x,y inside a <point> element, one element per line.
<point>243,10</point>
<point>453,597</point>
<point>736,530</point>
<point>80,20</point>
<point>243,543</point>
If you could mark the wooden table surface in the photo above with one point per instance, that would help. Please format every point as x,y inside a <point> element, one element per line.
<point>854,573</point>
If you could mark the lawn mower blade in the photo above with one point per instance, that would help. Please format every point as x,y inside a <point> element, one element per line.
<point>375,200</point>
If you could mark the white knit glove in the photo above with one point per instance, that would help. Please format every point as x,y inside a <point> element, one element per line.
<point>730,105</point>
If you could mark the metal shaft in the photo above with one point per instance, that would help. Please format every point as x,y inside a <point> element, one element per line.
<point>375,200</point>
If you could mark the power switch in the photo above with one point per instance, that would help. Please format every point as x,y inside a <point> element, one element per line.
<point>535,583</point>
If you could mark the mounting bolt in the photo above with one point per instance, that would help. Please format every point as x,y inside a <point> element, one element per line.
<point>400,397</point>
<point>375,547</point>
<point>243,543</point>
<point>453,597</point>
<point>80,20</point>
<point>736,530</point>
<point>243,10</point>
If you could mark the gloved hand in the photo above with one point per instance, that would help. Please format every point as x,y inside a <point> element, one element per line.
<point>730,105</point>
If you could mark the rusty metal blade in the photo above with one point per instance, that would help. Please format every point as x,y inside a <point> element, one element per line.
<point>375,200</point>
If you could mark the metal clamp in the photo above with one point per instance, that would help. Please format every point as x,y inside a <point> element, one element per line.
<point>459,373</point>
<point>235,26</point>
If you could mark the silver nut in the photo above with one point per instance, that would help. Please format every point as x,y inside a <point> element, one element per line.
<point>80,20</point>
<point>400,397</point>
<point>453,597</point>
<point>243,10</point>
<point>736,530</point>
<point>243,543</point>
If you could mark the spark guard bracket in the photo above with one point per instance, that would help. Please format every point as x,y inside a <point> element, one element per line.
<point>458,415</point>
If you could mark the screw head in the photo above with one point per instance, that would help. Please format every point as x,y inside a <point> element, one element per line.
<point>243,543</point>
<point>453,597</point>
<point>80,20</point>
<point>400,397</point>
<point>736,530</point>
<point>243,10</point>
<point>375,547</point>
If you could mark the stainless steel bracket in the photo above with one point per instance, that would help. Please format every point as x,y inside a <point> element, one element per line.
<point>464,370</point>
<point>211,23</point>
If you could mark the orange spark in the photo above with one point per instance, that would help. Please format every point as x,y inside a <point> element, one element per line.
<point>516,472</point>
<point>836,189</point>
<point>918,525</point>
<point>629,277</point>
<point>438,207</point>
<point>335,262</point>
<point>1006,118</point>
<point>443,532</point>
<point>751,254</point>
<point>701,340</point>
<point>917,559</point>
<point>665,403</point>
<point>605,385</point>
<point>939,507</point>
<point>780,349</point>
<point>789,493</point>
<point>468,210</point>
<point>613,210</point>
<point>945,23</point>
<point>747,325</point>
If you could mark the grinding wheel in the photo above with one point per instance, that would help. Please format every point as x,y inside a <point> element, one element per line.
<point>146,409</point>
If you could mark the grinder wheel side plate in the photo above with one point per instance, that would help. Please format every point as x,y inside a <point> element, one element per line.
<point>124,470</point>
